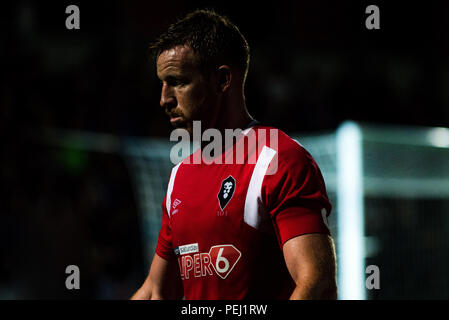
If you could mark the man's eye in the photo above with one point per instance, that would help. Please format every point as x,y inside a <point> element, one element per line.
<point>177,82</point>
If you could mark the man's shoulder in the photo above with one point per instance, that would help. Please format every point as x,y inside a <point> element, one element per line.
<point>286,146</point>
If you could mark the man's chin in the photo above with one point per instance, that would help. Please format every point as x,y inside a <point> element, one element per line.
<point>182,126</point>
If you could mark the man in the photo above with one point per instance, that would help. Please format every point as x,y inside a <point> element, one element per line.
<point>234,231</point>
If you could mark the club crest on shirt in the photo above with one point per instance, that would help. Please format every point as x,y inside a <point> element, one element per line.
<point>226,191</point>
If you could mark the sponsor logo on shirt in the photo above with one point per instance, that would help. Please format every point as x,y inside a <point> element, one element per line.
<point>220,259</point>
<point>226,192</point>
<point>186,249</point>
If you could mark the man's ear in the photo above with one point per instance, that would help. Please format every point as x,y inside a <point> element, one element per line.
<point>224,78</point>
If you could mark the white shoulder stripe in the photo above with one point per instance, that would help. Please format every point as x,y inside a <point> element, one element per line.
<point>252,214</point>
<point>171,183</point>
<point>297,142</point>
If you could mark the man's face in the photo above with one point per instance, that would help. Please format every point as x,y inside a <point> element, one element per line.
<point>186,94</point>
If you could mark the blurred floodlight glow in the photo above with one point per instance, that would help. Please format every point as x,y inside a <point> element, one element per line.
<point>439,137</point>
<point>350,213</point>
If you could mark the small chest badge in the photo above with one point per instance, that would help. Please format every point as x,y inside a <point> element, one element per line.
<point>226,191</point>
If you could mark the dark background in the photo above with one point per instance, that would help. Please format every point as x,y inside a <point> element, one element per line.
<point>313,65</point>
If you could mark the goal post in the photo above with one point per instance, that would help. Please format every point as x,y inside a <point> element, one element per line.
<point>377,177</point>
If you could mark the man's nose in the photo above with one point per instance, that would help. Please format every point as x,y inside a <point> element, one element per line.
<point>168,99</point>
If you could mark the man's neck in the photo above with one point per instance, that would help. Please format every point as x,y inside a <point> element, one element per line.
<point>239,118</point>
<point>233,115</point>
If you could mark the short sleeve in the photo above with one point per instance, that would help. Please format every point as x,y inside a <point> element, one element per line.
<point>164,247</point>
<point>295,195</point>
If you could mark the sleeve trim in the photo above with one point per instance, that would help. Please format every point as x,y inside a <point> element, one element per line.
<point>296,221</point>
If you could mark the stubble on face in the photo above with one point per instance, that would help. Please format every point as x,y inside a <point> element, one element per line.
<point>186,94</point>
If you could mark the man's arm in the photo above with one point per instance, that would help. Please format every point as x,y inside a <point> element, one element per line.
<point>163,281</point>
<point>310,259</point>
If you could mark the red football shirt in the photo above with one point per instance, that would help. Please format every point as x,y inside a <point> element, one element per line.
<point>226,223</point>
